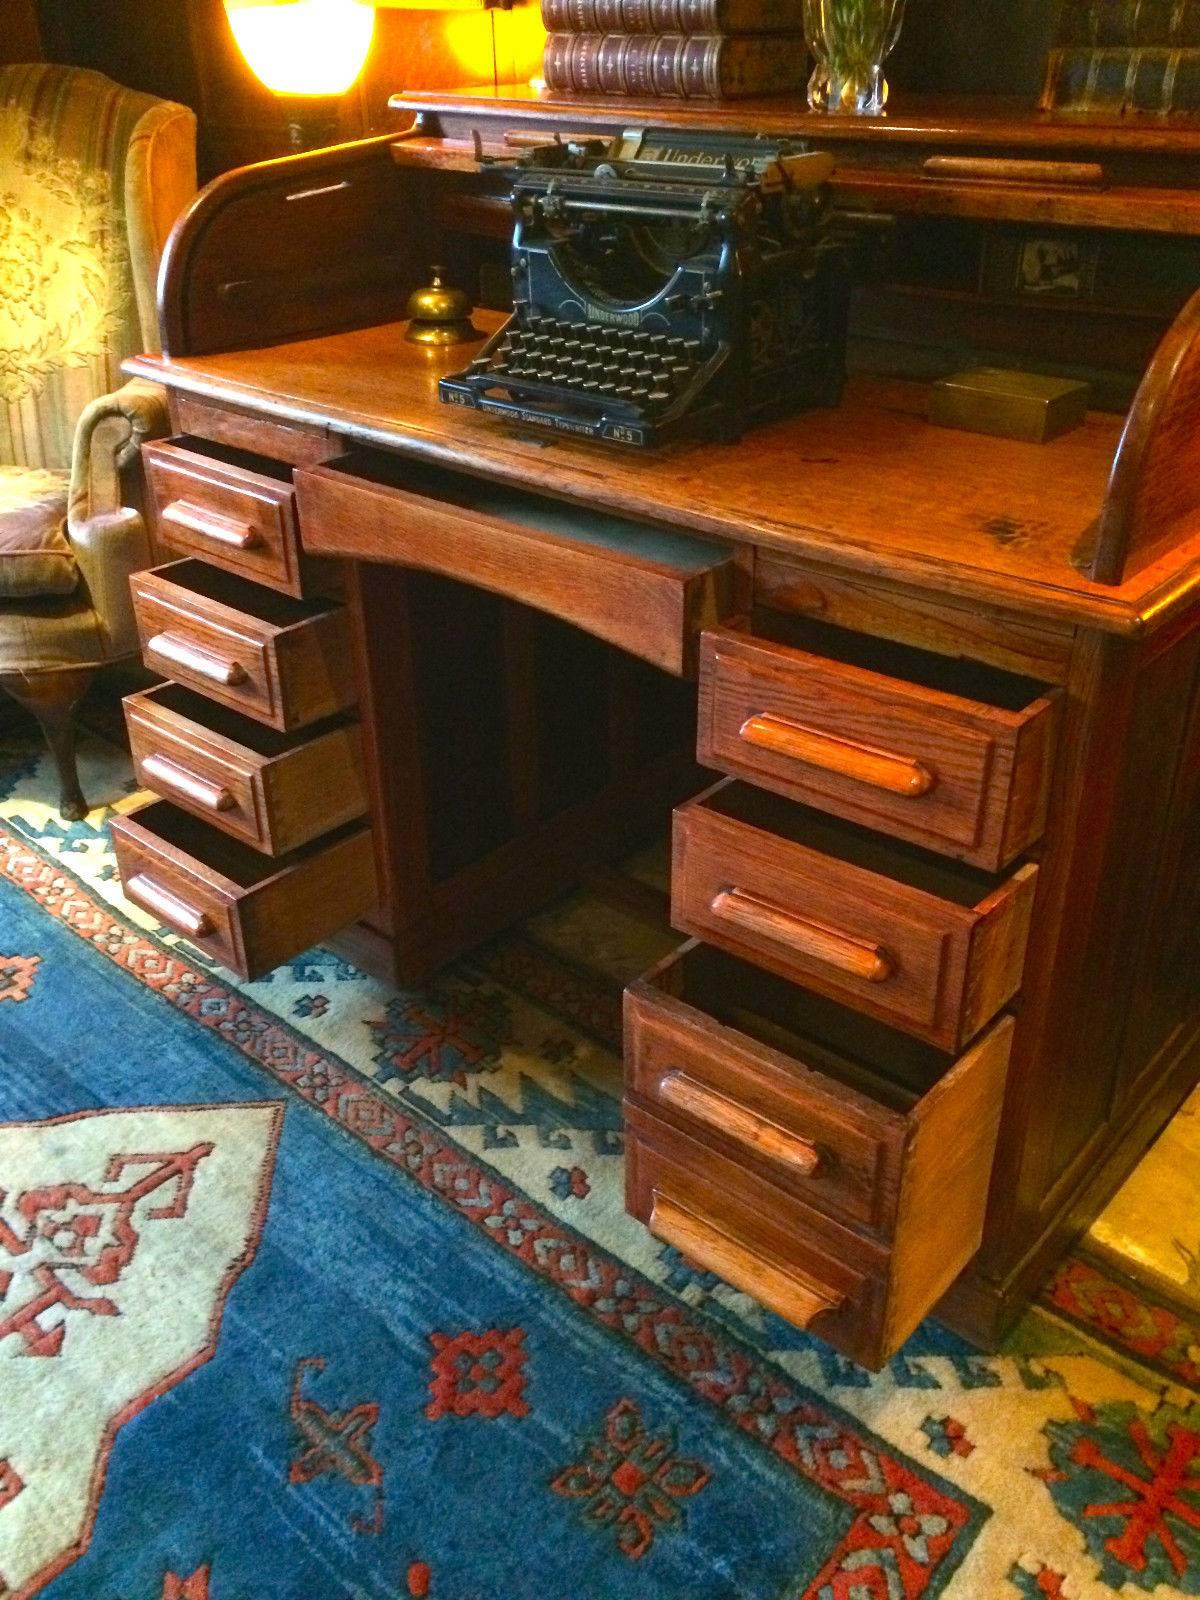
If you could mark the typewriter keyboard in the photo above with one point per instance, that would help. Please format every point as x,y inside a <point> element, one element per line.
<point>644,370</point>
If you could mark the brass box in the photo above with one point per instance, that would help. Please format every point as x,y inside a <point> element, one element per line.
<point>1015,405</point>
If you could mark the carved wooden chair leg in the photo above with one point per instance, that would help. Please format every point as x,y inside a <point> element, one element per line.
<point>52,697</point>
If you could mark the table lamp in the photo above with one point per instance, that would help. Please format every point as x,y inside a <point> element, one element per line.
<point>309,52</point>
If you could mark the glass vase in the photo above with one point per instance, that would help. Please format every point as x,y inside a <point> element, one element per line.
<point>850,40</point>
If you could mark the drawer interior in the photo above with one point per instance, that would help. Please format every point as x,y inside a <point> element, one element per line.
<point>223,855</point>
<point>224,588</point>
<point>244,731</point>
<point>583,525</point>
<point>230,456</point>
<point>854,1050</point>
<point>972,680</point>
<point>846,841</point>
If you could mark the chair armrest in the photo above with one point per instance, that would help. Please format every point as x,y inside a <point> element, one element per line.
<point>107,440</point>
<point>109,548</point>
<point>109,540</point>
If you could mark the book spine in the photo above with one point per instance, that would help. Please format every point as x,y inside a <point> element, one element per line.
<point>639,65</point>
<point>635,16</point>
<point>608,16</point>
<point>585,62</point>
<point>700,66</point>
<point>613,49</point>
<point>569,16</point>
<point>664,16</point>
<point>556,60</point>
<point>666,64</point>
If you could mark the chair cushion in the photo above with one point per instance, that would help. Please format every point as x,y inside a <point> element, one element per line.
<point>35,558</point>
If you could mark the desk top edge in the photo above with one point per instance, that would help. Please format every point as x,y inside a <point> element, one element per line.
<point>311,384</point>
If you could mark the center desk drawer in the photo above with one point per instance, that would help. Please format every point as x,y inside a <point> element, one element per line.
<point>276,791</point>
<point>926,945</point>
<point>244,909</point>
<point>227,506</point>
<point>949,754</point>
<point>833,1169</point>
<point>284,662</point>
<point>647,589</point>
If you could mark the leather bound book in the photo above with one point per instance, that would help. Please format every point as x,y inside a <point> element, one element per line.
<point>670,16</point>
<point>556,59</point>
<point>666,64</point>
<point>706,66</point>
<point>613,49</point>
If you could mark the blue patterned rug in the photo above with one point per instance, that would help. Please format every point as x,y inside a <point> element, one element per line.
<point>312,1289</point>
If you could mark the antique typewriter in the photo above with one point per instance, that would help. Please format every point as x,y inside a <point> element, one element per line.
<point>664,284</point>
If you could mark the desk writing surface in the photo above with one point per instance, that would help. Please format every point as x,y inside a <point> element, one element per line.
<point>870,486</point>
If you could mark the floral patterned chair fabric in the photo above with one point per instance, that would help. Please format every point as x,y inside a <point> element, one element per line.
<point>92,176</point>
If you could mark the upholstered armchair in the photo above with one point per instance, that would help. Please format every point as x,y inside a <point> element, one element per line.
<point>91,178</point>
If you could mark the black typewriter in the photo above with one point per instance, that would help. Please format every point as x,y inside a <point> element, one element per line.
<point>664,285</point>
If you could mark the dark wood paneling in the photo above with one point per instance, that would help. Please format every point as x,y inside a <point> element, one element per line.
<point>20,39</point>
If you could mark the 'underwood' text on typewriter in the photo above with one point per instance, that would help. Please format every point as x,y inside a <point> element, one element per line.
<point>664,285</point>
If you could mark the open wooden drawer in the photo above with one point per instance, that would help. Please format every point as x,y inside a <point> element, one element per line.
<point>945,753</point>
<point>646,589</point>
<point>246,910</point>
<point>226,506</point>
<point>275,791</point>
<point>833,1169</point>
<point>925,944</point>
<point>284,662</point>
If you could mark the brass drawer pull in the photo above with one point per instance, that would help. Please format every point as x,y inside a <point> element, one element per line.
<point>879,768</point>
<point>229,531</point>
<point>796,1297</point>
<point>169,908</point>
<point>857,957</point>
<point>182,653</point>
<point>176,779</point>
<point>726,1116</point>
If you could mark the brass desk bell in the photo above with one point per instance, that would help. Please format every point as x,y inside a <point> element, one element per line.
<point>440,315</point>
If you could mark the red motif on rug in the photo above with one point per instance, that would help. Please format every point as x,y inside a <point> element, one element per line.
<point>478,1374</point>
<point>337,1444</point>
<point>631,1480</point>
<point>150,1205</point>
<point>78,1231</point>
<point>16,976</point>
<point>1153,1498</point>
<point>11,1484</point>
<point>193,1588</point>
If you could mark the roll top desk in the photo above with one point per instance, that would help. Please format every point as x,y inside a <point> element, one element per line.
<point>924,702</point>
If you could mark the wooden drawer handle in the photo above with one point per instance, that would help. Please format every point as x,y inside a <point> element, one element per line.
<point>182,653</point>
<point>229,531</point>
<point>1003,169</point>
<point>897,774</point>
<point>169,908</point>
<point>170,775</point>
<point>796,1297</point>
<point>858,957</point>
<point>718,1111</point>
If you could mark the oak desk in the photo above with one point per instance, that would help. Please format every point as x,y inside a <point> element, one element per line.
<point>944,901</point>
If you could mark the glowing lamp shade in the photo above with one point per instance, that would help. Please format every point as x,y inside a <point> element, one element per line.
<point>303,47</point>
